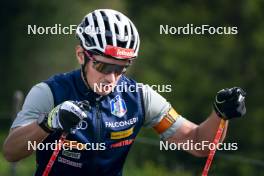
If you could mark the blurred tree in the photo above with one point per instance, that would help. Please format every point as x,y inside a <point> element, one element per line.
<point>199,65</point>
<point>196,66</point>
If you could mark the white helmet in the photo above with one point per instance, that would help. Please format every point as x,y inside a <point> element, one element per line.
<point>110,33</point>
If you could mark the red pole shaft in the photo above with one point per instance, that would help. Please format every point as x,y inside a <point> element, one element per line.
<point>212,152</point>
<point>54,155</point>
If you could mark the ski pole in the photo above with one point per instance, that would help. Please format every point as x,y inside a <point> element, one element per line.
<point>212,152</point>
<point>54,154</point>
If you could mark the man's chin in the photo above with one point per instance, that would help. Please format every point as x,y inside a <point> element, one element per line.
<point>103,93</point>
<point>103,90</point>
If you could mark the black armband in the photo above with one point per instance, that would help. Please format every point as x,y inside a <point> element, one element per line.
<point>43,123</point>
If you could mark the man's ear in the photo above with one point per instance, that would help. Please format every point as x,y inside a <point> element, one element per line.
<point>79,54</point>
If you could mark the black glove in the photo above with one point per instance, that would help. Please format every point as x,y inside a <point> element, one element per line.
<point>230,103</point>
<point>65,116</point>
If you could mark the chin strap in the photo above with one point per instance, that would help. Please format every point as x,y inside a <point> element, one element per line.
<point>84,71</point>
<point>84,74</point>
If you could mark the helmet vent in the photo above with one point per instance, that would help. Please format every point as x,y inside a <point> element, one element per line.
<point>131,29</point>
<point>89,41</point>
<point>118,17</point>
<point>103,14</point>
<point>131,44</point>
<point>95,21</point>
<point>121,44</point>
<point>126,33</point>
<point>86,22</point>
<point>100,40</point>
<point>105,19</point>
<point>116,29</point>
<point>109,40</point>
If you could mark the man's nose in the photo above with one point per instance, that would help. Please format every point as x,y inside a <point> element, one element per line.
<point>111,77</point>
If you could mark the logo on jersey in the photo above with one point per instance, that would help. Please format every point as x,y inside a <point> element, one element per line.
<point>74,155</point>
<point>122,143</point>
<point>82,125</point>
<point>118,106</point>
<point>121,134</point>
<point>121,123</point>
<point>69,162</point>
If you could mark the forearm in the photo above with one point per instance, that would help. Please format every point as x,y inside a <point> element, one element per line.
<point>198,133</point>
<point>229,103</point>
<point>16,144</point>
<point>206,131</point>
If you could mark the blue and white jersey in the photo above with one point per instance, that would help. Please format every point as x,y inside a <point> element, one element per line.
<point>102,141</point>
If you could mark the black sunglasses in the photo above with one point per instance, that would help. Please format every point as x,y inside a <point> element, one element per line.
<point>106,68</point>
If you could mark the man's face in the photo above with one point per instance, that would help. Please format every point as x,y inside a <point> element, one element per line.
<point>102,83</point>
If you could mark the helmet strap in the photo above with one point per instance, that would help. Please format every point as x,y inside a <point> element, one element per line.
<point>84,72</point>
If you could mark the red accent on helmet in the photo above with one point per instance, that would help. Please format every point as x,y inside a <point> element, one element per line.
<point>118,52</point>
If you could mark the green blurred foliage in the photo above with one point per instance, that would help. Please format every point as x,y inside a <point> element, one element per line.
<point>196,66</point>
